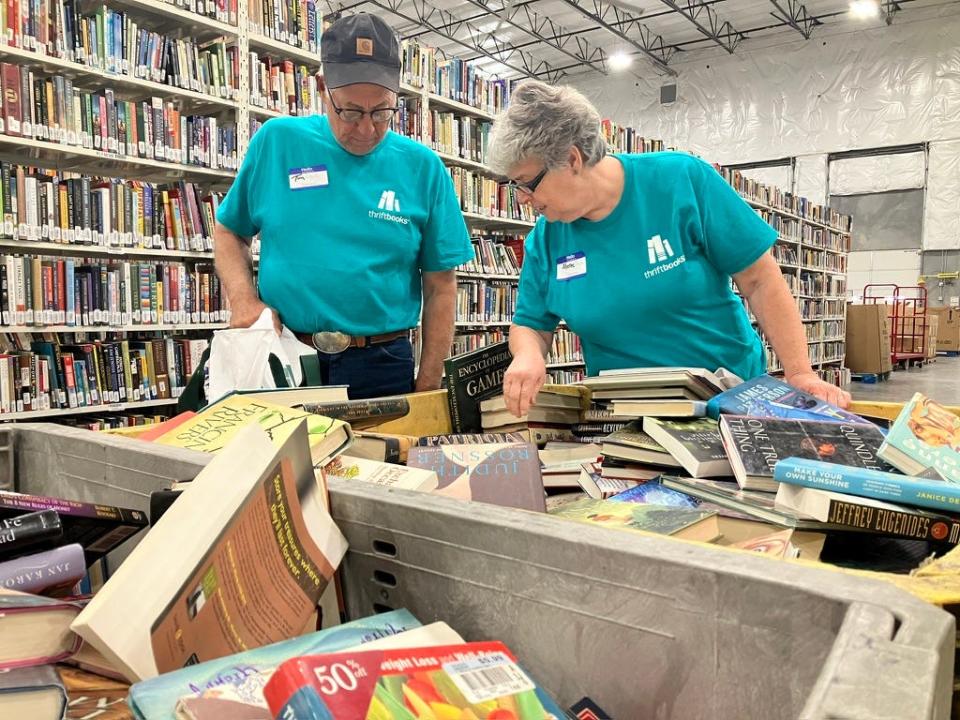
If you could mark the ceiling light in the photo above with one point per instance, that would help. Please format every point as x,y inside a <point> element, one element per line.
<point>620,61</point>
<point>864,9</point>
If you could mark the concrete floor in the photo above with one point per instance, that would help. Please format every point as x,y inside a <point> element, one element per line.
<point>938,380</point>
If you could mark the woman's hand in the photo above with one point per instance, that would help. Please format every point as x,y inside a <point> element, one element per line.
<point>523,381</point>
<point>811,383</point>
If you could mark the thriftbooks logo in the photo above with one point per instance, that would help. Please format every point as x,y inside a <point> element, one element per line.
<point>659,251</point>
<point>388,205</point>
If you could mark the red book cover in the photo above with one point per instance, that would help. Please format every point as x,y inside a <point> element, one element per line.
<point>13,24</point>
<point>12,107</point>
<point>480,681</point>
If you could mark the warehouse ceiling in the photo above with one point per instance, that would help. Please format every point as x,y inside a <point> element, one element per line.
<point>556,39</point>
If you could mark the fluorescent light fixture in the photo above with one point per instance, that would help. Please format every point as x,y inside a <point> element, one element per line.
<point>864,9</point>
<point>620,61</point>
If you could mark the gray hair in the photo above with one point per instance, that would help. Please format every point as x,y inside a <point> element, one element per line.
<point>544,122</point>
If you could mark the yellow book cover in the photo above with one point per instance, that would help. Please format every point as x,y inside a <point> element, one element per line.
<point>215,426</point>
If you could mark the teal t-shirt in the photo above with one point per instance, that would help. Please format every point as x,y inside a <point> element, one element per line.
<point>344,238</point>
<point>656,287</point>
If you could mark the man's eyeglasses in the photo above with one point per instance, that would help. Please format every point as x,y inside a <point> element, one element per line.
<point>530,187</point>
<point>349,115</point>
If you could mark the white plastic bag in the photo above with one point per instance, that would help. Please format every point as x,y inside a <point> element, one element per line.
<point>239,358</point>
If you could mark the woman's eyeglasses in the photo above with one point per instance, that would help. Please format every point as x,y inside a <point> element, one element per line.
<point>349,115</point>
<point>529,187</point>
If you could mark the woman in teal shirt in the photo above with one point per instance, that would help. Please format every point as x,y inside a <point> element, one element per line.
<point>636,253</point>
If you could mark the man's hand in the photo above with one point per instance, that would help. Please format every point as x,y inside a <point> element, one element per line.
<point>523,381</point>
<point>811,383</point>
<point>246,314</point>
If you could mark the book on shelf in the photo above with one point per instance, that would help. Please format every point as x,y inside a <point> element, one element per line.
<point>80,211</point>
<point>506,474</point>
<point>481,301</point>
<point>287,21</point>
<point>63,114</point>
<point>756,444</point>
<point>99,528</point>
<point>478,193</point>
<point>283,86</point>
<point>492,256</point>
<point>473,677</point>
<point>38,290</point>
<point>924,437</point>
<point>56,374</point>
<point>256,501</point>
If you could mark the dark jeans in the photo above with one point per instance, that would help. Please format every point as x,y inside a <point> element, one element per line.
<point>373,371</point>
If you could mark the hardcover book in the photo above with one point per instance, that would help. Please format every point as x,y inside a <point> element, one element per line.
<point>766,396</point>
<point>36,629</point>
<point>755,445</point>
<point>688,523</point>
<point>505,474</point>
<point>900,489</point>
<point>695,444</point>
<point>53,572</point>
<point>380,473</point>
<point>863,514</point>
<point>99,528</point>
<point>925,436</point>
<point>216,425</point>
<point>479,680</point>
<point>33,693</point>
<point>472,378</point>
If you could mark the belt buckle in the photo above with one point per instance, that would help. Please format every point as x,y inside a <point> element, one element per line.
<point>330,343</point>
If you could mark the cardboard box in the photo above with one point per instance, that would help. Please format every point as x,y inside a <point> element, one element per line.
<point>868,339</point>
<point>948,328</point>
<point>933,324</point>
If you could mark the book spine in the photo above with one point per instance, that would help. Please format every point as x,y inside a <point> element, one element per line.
<point>894,523</point>
<point>40,572</point>
<point>23,531</point>
<point>869,483</point>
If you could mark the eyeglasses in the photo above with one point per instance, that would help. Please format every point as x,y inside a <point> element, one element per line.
<point>529,187</point>
<point>349,115</point>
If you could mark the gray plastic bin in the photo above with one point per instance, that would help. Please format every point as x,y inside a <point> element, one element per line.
<point>651,628</point>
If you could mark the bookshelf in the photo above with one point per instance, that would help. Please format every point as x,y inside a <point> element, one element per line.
<point>812,249</point>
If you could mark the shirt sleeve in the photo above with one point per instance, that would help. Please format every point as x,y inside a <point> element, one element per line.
<point>445,243</point>
<point>532,309</point>
<point>236,211</point>
<point>734,236</point>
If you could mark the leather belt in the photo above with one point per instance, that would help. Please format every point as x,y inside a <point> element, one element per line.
<point>331,343</point>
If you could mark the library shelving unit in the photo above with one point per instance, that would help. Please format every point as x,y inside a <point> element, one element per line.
<point>812,250</point>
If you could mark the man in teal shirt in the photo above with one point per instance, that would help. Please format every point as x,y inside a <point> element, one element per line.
<point>357,225</point>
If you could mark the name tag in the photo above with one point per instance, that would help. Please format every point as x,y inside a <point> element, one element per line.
<point>308,177</point>
<point>572,266</point>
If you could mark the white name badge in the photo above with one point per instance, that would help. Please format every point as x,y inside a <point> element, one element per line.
<point>572,266</point>
<point>308,177</point>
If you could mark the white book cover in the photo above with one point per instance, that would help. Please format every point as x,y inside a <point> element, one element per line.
<point>248,539</point>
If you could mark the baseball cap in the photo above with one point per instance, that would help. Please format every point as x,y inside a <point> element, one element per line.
<point>360,48</point>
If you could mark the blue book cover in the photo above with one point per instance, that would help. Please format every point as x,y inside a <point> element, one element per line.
<point>766,396</point>
<point>902,489</point>
<point>248,672</point>
<point>653,493</point>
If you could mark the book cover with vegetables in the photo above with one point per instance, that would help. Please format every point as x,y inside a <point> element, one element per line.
<point>472,681</point>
